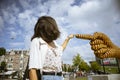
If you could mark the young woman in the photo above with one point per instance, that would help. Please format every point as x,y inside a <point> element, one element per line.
<point>45,53</point>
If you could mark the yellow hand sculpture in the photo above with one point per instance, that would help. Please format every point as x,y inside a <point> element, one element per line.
<point>101,44</point>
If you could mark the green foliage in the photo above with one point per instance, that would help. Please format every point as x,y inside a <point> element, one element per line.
<point>95,66</point>
<point>110,69</point>
<point>84,66</point>
<point>2,51</point>
<point>69,69</point>
<point>77,60</point>
<point>80,63</point>
<point>3,64</point>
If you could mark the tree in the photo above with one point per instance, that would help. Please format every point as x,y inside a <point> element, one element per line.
<point>84,66</point>
<point>95,66</point>
<point>69,69</point>
<point>79,63</point>
<point>77,60</point>
<point>3,65</point>
<point>2,51</point>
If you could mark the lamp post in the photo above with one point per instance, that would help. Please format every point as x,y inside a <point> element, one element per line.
<point>103,66</point>
<point>118,65</point>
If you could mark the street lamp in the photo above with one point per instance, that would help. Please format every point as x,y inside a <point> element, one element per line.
<point>118,65</point>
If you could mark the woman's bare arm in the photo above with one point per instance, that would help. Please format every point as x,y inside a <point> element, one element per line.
<point>32,74</point>
<point>67,40</point>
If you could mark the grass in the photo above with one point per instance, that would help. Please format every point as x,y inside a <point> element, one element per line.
<point>110,69</point>
<point>82,78</point>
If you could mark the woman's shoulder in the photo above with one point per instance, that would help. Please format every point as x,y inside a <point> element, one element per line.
<point>35,39</point>
<point>38,39</point>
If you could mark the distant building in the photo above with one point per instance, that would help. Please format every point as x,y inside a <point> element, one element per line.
<point>15,59</point>
<point>67,67</point>
<point>107,61</point>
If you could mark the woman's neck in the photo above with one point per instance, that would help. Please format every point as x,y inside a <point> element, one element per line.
<point>52,44</point>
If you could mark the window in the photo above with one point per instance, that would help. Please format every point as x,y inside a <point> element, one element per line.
<point>10,65</point>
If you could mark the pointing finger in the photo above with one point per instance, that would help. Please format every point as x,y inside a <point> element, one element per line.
<point>84,36</point>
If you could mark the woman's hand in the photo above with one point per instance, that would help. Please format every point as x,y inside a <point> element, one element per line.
<point>70,36</point>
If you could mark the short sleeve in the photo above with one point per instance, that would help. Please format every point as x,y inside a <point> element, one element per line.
<point>34,53</point>
<point>38,50</point>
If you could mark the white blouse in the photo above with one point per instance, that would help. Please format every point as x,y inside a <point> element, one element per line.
<point>53,60</point>
<point>44,57</point>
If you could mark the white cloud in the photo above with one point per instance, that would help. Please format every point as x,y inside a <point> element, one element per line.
<point>25,4</point>
<point>14,44</point>
<point>27,40</point>
<point>59,8</point>
<point>10,14</point>
<point>91,15</point>
<point>1,24</point>
<point>13,34</point>
<point>5,15</point>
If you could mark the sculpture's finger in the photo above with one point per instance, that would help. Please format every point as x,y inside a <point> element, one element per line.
<point>100,35</point>
<point>97,47</point>
<point>96,41</point>
<point>105,38</point>
<point>98,55</point>
<point>84,36</point>
<point>109,54</point>
<point>101,51</point>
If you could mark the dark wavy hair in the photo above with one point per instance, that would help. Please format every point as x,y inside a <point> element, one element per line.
<point>46,28</point>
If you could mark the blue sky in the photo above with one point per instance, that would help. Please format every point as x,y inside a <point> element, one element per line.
<point>18,17</point>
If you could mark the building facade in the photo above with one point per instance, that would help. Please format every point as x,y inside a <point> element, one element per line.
<point>15,59</point>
